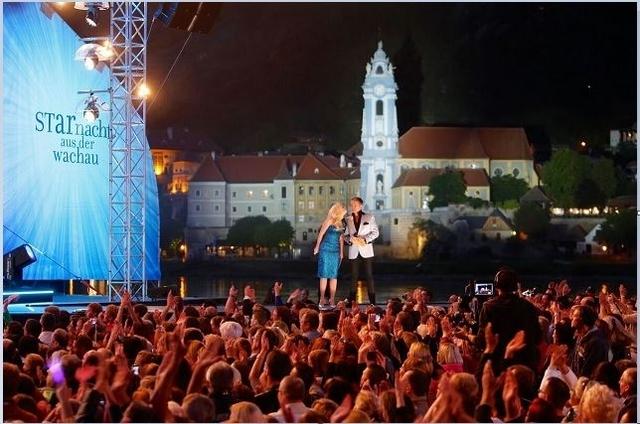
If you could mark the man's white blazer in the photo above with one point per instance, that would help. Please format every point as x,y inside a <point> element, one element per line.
<point>368,230</point>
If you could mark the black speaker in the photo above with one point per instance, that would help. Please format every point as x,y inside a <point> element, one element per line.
<point>189,16</point>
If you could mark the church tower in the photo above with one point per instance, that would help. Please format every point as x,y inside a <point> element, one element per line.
<point>379,133</point>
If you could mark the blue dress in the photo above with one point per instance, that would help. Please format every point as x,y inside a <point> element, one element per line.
<point>329,253</point>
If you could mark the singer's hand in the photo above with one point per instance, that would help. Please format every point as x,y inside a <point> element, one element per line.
<point>315,250</point>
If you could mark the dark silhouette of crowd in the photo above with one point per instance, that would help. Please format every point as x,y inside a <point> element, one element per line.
<point>552,355</point>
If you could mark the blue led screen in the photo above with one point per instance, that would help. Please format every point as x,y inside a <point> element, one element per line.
<point>56,164</point>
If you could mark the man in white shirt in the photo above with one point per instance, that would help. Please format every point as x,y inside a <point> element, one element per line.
<point>290,395</point>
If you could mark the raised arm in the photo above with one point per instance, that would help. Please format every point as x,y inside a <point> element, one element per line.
<point>323,230</point>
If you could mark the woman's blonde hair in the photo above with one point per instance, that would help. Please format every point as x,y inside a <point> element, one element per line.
<point>243,412</point>
<point>336,214</point>
<point>448,353</point>
<point>598,404</point>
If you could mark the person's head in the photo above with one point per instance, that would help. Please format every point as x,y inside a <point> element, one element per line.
<point>374,374</point>
<point>319,361</point>
<point>245,412</point>
<point>230,330</point>
<point>628,382</point>
<point>220,377</point>
<point>325,407</point>
<point>309,321</point>
<point>93,310</point>
<point>242,348</point>
<point>10,377</point>
<point>336,213</point>
<point>506,281</point>
<point>357,416</point>
<point>139,412</point>
<point>281,313</point>
<point>356,204</point>
<point>260,316</point>
<point>32,327</point>
<point>368,402</point>
<point>562,334</point>
<point>336,389</point>
<point>448,353</point>
<point>466,386</point>
<point>556,392</point>
<point>582,318</point>
<point>541,411</point>
<point>249,291</point>
<point>303,371</point>
<point>607,373</point>
<point>599,404</point>
<point>28,344</point>
<point>405,320</point>
<point>312,416</point>
<point>291,390</point>
<point>416,382</point>
<point>48,321</point>
<point>277,366</point>
<point>198,408</point>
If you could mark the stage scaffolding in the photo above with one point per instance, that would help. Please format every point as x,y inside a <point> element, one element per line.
<point>128,151</point>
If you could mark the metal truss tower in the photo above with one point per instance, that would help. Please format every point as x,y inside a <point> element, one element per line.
<point>128,150</point>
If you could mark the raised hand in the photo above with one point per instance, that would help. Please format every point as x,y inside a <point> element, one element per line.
<point>515,345</point>
<point>510,397</point>
<point>277,288</point>
<point>488,384</point>
<point>171,301</point>
<point>233,291</point>
<point>343,410</point>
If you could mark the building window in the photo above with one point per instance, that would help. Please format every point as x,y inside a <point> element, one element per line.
<point>304,236</point>
<point>395,221</point>
<point>234,209</point>
<point>301,204</point>
<point>264,209</point>
<point>233,194</point>
<point>311,190</point>
<point>250,193</point>
<point>515,172</point>
<point>332,190</point>
<point>379,70</point>
<point>197,208</point>
<point>379,108</point>
<point>411,193</point>
<point>497,172</point>
<point>248,208</point>
<point>477,192</point>
<point>320,190</point>
<point>301,190</point>
<point>216,193</point>
<point>312,204</point>
<point>216,208</point>
<point>283,192</point>
<point>301,218</point>
<point>197,193</point>
<point>379,143</point>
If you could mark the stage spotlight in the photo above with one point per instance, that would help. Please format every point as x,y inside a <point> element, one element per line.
<point>16,260</point>
<point>90,62</point>
<point>144,90</point>
<point>92,10</point>
<point>91,109</point>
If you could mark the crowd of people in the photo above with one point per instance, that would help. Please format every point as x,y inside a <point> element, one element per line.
<point>551,356</point>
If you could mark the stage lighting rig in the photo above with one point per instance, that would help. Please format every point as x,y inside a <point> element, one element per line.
<point>93,106</point>
<point>94,55</point>
<point>92,9</point>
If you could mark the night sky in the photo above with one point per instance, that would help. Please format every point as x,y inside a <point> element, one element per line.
<point>270,72</point>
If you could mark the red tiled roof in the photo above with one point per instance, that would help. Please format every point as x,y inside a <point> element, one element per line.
<point>313,168</point>
<point>465,143</point>
<point>421,177</point>
<point>208,172</point>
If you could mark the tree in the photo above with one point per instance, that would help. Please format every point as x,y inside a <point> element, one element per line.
<point>248,231</point>
<point>276,234</point>
<point>618,231</point>
<point>447,188</point>
<point>603,173</point>
<point>532,220</point>
<point>588,195</point>
<point>563,174</point>
<point>507,187</point>
<point>433,239</point>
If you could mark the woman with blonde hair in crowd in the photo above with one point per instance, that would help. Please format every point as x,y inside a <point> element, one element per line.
<point>330,249</point>
<point>246,412</point>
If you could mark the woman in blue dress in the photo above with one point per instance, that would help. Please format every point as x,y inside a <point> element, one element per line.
<point>329,249</point>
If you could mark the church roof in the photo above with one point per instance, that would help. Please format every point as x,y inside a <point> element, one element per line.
<point>535,195</point>
<point>465,143</point>
<point>420,177</point>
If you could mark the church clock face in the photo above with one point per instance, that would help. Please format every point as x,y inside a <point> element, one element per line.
<point>379,90</point>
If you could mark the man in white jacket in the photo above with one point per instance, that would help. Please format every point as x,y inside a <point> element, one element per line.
<point>360,232</point>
